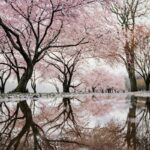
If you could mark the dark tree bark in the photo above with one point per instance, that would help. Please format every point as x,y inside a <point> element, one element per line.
<point>147,85</point>
<point>5,74</point>
<point>129,51</point>
<point>24,80</point>
<point>66,88</point>
<point>66,65</point>
<point>132,78</point>
<point>131,125</point>
<point>93,89</point>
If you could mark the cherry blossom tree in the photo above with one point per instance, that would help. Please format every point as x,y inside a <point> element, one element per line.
<point>32,34</point>
<point>29,30</point>
<point>11,59</point>
<point>101,80</point>
<point>124,17</point>
<point>142,54</point>
<point>66,64</point>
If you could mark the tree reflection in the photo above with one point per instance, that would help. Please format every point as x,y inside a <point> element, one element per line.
<point>131,124</point>
<point>19,126</point>
<point>138,124</point>
<point>64,119</point>
<point>143,126</point>
<point>59,123</point>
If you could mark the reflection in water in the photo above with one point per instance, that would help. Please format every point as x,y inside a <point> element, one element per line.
<point>18,128</point>
<point>131,124</point>
<point>138,127</point>
<point>91,123</point>
<point>33,126</point>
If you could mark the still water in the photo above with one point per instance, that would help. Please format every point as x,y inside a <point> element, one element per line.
<point>89,122</point>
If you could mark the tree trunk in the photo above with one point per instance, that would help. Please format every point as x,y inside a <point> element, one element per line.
<point>18,78</point>
<point>131,126</point>
<point>34,89</point>
<point>2,89</point>
<point>57,89</point>
<point>66,88</point>
<point>130,66</point>
<point>147,85</point>
<point>132,78</point>
<point>24,80</point>
<point>27,112</point>
<point>33,85</point>
<point>93,89</point>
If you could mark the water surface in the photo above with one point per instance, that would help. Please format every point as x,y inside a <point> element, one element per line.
<point>91,122</point>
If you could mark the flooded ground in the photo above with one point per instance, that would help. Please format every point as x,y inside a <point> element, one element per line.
<point>87,122</point>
